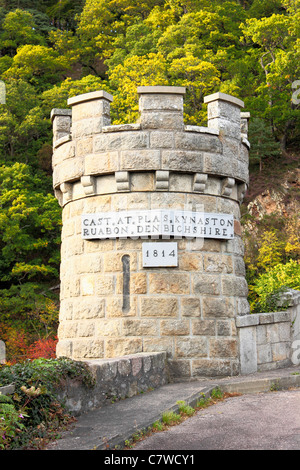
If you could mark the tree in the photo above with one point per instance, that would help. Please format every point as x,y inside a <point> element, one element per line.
<point>263,144</point>
<point>30,221</point>
<point>18,28</point>
<point>279,59</point>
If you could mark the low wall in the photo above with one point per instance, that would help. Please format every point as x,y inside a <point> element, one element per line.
<point>115,379</point>
<point>2,352</point>
<point>267,340</point>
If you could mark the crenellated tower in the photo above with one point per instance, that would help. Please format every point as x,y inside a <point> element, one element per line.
<point>151,253</point>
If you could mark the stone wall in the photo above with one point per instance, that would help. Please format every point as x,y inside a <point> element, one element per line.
<point>187,311</point>
<point>115,379</point>
<point>2,352</point>
<point>268,340</point>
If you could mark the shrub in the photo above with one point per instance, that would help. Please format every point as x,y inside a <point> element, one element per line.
<point>43,348</point>
<point>35,412</point>
<point>267,288</point>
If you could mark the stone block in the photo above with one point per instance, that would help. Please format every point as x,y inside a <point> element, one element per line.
<point>181,182</point>
<point>111,328</point>
<point>147,159</point>
<point>158,306</point>
<point>87,348</point>
<point>280,351</point>
<point>161,139</point>
<point>84,147</point>
<point>191,347</point>
<point>136,364</point>
<point>86,329</point>
<point>88,109</point>
<point>216,263</point>
<point>88,308</point>
<point>64,348</point>
<point>168,283</point>
<point>224,328</point>
<point>174,327</point>
<point>2,352</point>
<point>158,345</point>
<point>165,99</point>
<point>167,200</point>
<point>112,262</point>
<point>190,262</point>
<point>104,162</point>
<point>264,353</point>
<point>121,141</point>
<point>138,283</point>
<point>211,368</point>
<point>190,307</point>
<point>115,307</point>
<point>242,306</point>
<point>218,307</point>
<point>162,120</point>
<point>261,334</point>
<point>68,171</point>
<point>180,160</point>
<point>234,286</point>
<point>87,285</point>
<point>88,127</point>
<point>247,320</point>
<point>206,284</point>
<point>199,142</point>
<point>203,328</point>
<point>121,347</point>
<point>180,368</point>
<point>223,347</point>
<point>142,181</point>
<point>137,327</point>
<point>248,350</point>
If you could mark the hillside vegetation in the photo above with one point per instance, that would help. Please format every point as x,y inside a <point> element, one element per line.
<point>52,50</point>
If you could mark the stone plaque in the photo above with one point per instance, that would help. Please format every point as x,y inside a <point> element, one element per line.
<point>160,254</point>
<point>156,223</point>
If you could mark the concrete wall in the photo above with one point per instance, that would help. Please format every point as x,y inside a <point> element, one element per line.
<point>268,340</point>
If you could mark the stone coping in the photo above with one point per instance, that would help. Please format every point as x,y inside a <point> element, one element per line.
<point>60,112</point>
<point>7,389</point>
<point>167,90</point>
<point>223,97</point>
<point>262,318</point>
<point>94,95</point>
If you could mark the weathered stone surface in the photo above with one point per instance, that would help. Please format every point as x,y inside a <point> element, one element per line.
<point>111,308</point>
<point>159,307</point>
<point>191,347</point>
<point>2,352</point>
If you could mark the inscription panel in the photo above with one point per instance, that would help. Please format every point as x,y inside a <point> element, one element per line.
<point>159,254</point>
<point>157,223</point>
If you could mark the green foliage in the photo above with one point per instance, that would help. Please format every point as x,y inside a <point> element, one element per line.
<point>30,224</point>
<point>34,410</point>
<point>53,50</point>
<point>170,418</point>
<point>10,423</point>
<point>263,144</point>
<point>184,408</point>
<point>272,258</point>
<point>269,285</point>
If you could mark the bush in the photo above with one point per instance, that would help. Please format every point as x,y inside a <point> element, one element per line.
<point>267,288</point>
<point>33,415</point>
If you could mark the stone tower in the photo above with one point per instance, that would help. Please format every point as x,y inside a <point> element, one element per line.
<point>151,253</point>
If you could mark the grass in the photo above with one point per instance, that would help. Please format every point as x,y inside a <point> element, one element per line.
<point>170,418</point>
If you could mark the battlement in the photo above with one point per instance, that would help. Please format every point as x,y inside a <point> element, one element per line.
<point>159,152</point>
<point>180,186</point>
